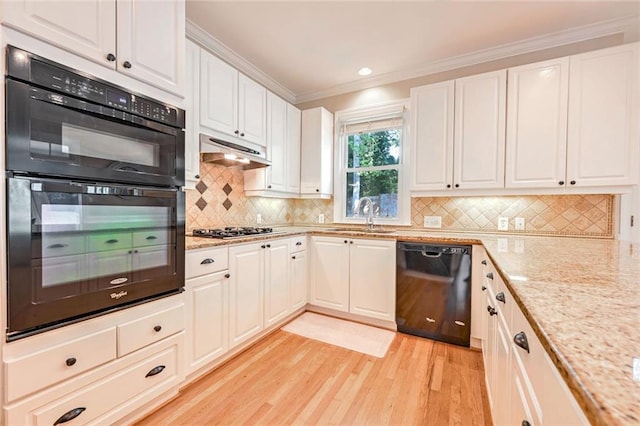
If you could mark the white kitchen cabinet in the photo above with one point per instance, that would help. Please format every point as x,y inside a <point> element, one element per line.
<point>232,106</point>
<point>282,178</point>
<point>604,117</point>
<point>246,292</point>
<point>276,281</point>
<point>480,108</point>
<point>316,154</point>
<point>142,39</point>
<point>432,136</point>
<point>192,113</point>
<point>330,273</point>
<point>537,125</point>
<point>354,275</point>
<point>458,141</point>
<point>298,271</point>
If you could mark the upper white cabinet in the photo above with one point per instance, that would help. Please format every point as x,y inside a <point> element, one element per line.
<point>480,109</point>
<point>432,136</point>
<point>537,124</point>
<point>458,137</point>
<point>603,117</point>
<point>316,164</point>
<point>232,106</point>
<point>192,107</point>
<point>282,178</point>
<point>145,40</point>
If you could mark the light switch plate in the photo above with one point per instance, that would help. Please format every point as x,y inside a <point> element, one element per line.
<point>258,218</point>
<point>519,224</point>
<point>432,222</point>
<point>503,224</point>
<point>320,218</point>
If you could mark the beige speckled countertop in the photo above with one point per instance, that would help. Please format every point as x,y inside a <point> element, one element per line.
<point>581,297</point>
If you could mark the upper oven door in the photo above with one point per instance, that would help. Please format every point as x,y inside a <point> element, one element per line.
<point>76,248</point>
<point>56,135</point>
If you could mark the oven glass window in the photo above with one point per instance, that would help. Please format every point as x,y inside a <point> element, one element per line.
<point>84,243</point>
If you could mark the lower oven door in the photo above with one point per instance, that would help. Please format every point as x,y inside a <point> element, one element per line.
<point>77,249</point>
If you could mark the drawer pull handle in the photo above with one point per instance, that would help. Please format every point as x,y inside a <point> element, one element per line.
<point>207,261</point>
<point>111,241</point>
<point>268,245</point>
<point>69,415</point>
<point>293,257</point>
<point>484,288</point>
<point>263,246</point>
<point>155,370</point>
<point>520,339</point>
<point>484,262</point>
<point>299,243</point>
<point>157,328</point>
<point>492,311</point>
<point>55,246</point>
<point>70,361</point>
<point>490,275</point>
<point>152,237</point>
<point>500,297</point>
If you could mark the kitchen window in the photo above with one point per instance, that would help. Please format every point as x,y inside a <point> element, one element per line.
<point>370,165</point>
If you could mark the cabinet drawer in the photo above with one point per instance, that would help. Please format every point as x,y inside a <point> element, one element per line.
<point>298,243</point>
<point>55,245</point>
<point>151,237</point>
<point>38,370</point>
<point>206,261</point>
<point>152,328</point>
<point>159,371</point>
<point>110,241</point>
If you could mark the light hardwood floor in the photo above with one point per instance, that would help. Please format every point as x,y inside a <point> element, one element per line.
<point>288,379</point>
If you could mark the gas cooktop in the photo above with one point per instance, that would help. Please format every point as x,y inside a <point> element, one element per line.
<point>231,232</point>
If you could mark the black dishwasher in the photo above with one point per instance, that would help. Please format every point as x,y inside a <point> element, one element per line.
<point>433,291</point>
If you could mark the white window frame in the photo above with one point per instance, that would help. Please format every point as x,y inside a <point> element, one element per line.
<point>340,175</point>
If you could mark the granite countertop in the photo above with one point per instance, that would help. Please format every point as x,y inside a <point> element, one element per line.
<point>581,297</point>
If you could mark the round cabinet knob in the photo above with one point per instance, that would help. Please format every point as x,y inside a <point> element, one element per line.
<point>236,132</point>
<point>350,242</point>
<point>448,185</point>
<point>70,361</point>
<point>227,275</point>
<point>242,134</point>
<point>520,339</point>
<point>345,241</point>
<point>111,57</point>
<point>490,275</point>
<point>500,297</point>
<point>293,257</point>
<point>484,288</point>
<point>484,262</point>
<point>157,328</point>
<point>573,182</point>
<point>197,176</point>
<point>561,183</point>
<point>268,186</point>
<point>457,185</point>
<point>126,64</point>
<point>263,246</point>
<point>317,190</point>
<point>526,423</point>
<point>268,245</point>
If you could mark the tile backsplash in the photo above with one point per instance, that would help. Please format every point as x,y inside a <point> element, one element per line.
<point>219,201</point>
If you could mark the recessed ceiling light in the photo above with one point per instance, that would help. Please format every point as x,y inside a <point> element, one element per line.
<point>365,71</point>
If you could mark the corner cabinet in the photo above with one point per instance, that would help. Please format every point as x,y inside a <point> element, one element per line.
<point>316,154</point>
<point>458,141</point>
<point>232,106</point>
<point>354,275</point>
<point>144,40</point>
<point>604,117</point>
<point>282,178</point>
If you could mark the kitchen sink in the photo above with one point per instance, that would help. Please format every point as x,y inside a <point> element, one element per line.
<point>364,230</point>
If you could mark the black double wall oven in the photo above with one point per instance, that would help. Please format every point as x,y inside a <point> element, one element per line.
<point>95,214</point>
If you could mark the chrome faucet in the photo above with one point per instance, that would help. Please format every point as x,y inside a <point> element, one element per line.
<point>369,211</point>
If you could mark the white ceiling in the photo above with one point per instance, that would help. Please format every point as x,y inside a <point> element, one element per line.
<point>314,48</point>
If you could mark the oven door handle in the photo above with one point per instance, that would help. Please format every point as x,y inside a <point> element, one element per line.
<point>431,254</point>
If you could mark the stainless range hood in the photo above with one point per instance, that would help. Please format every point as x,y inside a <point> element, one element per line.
<point>230,154</point>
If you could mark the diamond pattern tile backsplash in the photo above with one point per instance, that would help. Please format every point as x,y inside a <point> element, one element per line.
<point>219,201</point>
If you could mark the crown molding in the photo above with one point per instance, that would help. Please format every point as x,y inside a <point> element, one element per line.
<point>547,41</point>
<point>207,41</point>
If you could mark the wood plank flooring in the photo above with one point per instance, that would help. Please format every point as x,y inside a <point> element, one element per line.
<point>288,379</point>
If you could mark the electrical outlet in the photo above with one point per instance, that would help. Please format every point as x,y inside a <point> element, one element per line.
<point>503,223</point>
<point>320,218</point>
<point>432,222</point>
<point>258,218</point>
<point>519,223</point>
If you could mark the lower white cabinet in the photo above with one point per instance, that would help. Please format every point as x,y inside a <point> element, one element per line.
<point>523,385</point>
<point>298,271</point>
<point>276,281</point>
<point>354,275</point>
<point>76,375</point>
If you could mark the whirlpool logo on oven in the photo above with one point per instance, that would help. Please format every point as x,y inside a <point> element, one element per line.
<point>118,295</point>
